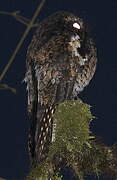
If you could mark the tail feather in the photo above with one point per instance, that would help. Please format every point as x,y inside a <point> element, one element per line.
<point>40,140</point>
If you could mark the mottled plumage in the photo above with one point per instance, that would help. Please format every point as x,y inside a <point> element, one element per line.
<point>61,61</point>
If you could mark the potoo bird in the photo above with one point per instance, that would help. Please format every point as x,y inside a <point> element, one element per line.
<point>61,61</point>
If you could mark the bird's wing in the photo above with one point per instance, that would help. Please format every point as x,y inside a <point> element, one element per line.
<point>41,91</point>
<point>48,83</point>
<point>32,107</point>
<point>47,86</point>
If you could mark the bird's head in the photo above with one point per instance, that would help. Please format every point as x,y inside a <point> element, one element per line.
<point>75,32</point>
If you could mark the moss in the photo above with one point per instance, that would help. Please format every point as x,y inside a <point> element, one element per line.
<point>75,147</point>
<point>72,120</point>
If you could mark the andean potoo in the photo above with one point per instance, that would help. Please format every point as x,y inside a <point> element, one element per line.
<point>61,61</point>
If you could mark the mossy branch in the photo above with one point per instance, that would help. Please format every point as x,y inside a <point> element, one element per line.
<point>75,147</point>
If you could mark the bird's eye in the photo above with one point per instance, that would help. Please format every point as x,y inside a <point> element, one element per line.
<point>76,25</point>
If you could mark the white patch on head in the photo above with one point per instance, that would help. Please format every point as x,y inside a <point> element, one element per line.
<point>76,25</point>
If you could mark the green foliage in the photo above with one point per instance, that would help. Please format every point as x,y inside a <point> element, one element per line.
<point>72,120</point>
<point>75,147</point>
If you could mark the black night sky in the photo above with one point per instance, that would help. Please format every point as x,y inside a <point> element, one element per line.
<point>101,94</point>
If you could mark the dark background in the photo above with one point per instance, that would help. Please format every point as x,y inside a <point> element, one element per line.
<point>101,94</point>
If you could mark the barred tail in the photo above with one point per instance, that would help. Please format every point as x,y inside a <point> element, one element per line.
<point>40,135</point>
